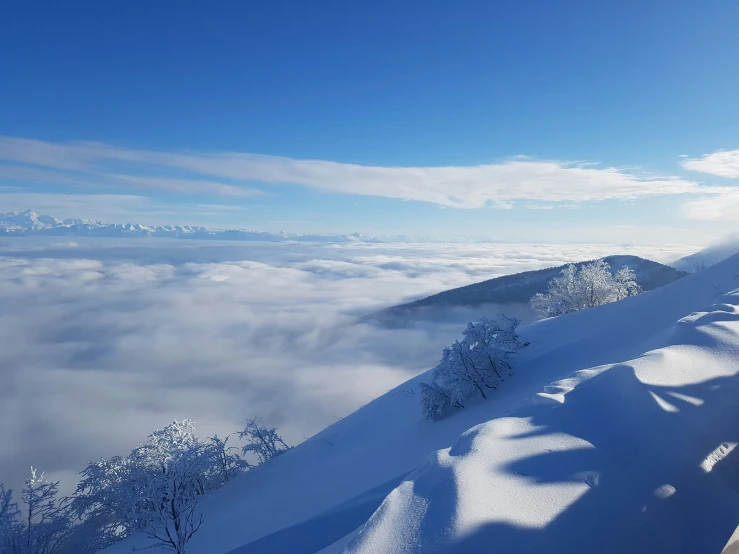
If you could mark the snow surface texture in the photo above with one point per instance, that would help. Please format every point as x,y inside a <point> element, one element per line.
<point>615,435</point>
<point>631,457</point>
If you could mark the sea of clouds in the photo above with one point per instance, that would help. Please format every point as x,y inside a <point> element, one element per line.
<point>103,341</point>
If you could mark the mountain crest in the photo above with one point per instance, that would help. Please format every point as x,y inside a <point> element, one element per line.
<point>31,223</point>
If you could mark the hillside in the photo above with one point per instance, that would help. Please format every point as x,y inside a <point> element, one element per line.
<point>616,432</point>
<point>520,287</point>
<point>708,256</point>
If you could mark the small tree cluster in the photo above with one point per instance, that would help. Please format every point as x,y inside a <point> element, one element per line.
<point>591,285</point>
<point>474,365</point>
<point>262,441</point>
<point>154,490</point>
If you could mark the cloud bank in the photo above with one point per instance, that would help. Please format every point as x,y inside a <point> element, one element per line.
<point>103,341</point>
<point>496,184</point>
<point>723,207</point>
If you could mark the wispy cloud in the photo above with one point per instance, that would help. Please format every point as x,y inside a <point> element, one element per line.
<point>184,186</point>
<point>724,163</point>
<point>497,184</point>
<point>90,178</point>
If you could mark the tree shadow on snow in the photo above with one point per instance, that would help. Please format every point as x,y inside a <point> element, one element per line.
<point>648,492</point>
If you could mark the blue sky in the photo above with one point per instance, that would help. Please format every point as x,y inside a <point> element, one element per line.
<point>566,121</point>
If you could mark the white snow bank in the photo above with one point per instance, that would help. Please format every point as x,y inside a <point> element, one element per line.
<point>606,428</point>
<point>631,457</point>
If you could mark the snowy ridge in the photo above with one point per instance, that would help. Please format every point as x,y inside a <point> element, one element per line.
<point>30,223</point>
<point>709,256</point>
<point>622,404</point>
<point>521,287</point>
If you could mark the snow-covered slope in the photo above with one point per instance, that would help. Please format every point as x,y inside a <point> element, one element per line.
<point>709,256</point>
<point>601,442</point>
<point>29,223</point>
<point>631,457</point>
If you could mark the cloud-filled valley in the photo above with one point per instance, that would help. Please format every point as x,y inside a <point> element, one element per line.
<point>102,341</point>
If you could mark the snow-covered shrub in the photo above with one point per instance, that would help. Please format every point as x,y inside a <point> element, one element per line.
<point>155,490</point>
<point>101,498</point>
<point>224,464</point>
<point>157,487</point>
<point>261,440</point>
<point>477,363</point>
<point>591,285</point>
<point>434,400</point>
<point>168,478</point>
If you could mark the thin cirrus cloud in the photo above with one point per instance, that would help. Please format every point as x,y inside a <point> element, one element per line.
<point>117,181</point>
<point>184,186</point>
<point>723,207</point>
<point>498,184</point>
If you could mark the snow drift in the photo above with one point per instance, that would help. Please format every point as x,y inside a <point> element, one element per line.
<point>630,457</point>
<point>616,434</point>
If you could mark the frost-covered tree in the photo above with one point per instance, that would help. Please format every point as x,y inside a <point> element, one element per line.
<point>477,363</point>
<point>434,400</point>
<point>89,536</point>
<point>45,523</point>
<point>156,488</point>
<point>626,285</point>
<point>224,463</point>
<point>167,476</point>
<point>8,515</point>
<point>591,285</point>
<point>261,440</point>
<point>165,505</point>
<point>101,499</point>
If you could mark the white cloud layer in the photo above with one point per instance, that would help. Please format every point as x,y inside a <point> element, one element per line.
<point>724,163</point>
<point>497,184</point>
<point>102,341</point>
<point>723,208</point>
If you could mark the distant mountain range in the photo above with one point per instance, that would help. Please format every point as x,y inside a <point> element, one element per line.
<point>520,287</point>
<point>30,223</point>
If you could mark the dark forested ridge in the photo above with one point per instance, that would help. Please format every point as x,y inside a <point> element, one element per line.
<point>520,287</point>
